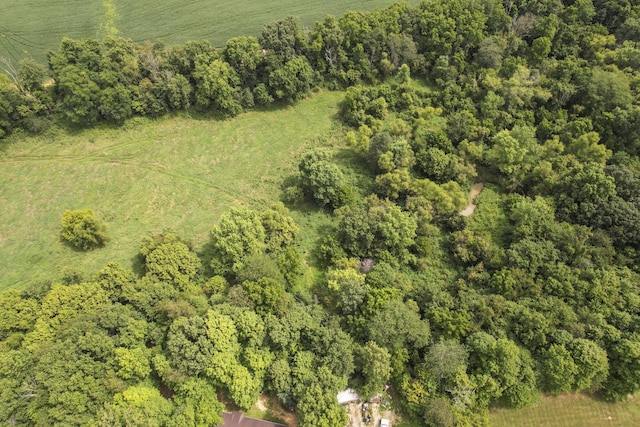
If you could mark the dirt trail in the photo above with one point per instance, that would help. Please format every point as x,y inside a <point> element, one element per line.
<point>473,195</point>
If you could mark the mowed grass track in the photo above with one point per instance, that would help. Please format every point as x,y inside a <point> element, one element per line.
<point>571,410</point>
<point>175,174</point>
<point>35,26</point>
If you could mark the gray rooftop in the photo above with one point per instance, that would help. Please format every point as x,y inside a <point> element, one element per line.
<point>238,419</point>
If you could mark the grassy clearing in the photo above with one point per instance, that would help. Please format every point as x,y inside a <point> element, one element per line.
<point>35,26</point>
<point>175,174</point>
<point>571,410</point>
<point>489,216</point>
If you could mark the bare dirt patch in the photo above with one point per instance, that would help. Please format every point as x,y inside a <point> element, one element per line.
<point>476,189</point>
<point>272,407</point>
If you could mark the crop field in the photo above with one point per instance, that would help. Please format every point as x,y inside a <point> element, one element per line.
<point>571,410</point>
<point>35,26</point>
<point>176,174</point>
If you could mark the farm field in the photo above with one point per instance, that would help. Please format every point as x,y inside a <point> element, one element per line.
<point>176,174</point>
<point>35,26</point>
<point>571,410</point>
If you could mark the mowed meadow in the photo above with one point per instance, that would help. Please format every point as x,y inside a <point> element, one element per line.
<point>32,27</point>
<point>571,410</point>
<point>175,174</point>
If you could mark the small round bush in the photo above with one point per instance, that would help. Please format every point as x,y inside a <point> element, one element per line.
<point>83,229</point>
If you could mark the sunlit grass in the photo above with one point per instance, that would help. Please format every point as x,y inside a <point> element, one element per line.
<point>31,27</point>
<point>177,174</point>
<point>571,410</point>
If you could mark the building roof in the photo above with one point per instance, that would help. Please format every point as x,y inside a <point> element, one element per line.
<point>348,395</point>
<point>238,419</point>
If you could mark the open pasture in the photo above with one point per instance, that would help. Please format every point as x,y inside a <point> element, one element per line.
<point>176,174</point>
<point>31,27</point>
<point>571,410</point>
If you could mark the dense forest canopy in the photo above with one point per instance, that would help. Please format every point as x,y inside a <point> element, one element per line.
<point>537,291</point>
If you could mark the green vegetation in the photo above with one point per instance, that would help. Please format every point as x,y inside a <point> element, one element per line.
<point>460,312</point>
<point>83,229</point>
<point>572,410</point>
<point>34,28</point>
<point>177,174</point>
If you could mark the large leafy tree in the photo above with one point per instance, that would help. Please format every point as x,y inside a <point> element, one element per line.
<point>293,81</point>
<point>377,228</point>
<point>323,180</point>
<point>174,263</point>
<point>238,234</point>
<point>217,88</point>
<point>284,38</point>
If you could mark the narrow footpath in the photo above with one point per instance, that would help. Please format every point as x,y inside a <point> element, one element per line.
<point>473,196</point>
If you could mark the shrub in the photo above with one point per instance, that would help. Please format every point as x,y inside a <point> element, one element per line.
<point>83,229</point>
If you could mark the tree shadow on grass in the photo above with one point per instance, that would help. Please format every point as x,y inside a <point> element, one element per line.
<point>137,265</point>
<point>77,249</point>
<point>206,254</point>
<point>206,115</point>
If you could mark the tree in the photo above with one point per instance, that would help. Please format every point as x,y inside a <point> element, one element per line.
<point>10,100</point>
<point>78,95</point>
<point>587,149</point>
<point>243,54</point>
<point>624,369</point>
<point>396,326</point>
<point>607,90</point>
<point>514,153</point>
<point>375,362</point>
<point>133,363</point>
<point>115,103</point>
<point>238,234</point>
<point>438,413</point>
<point>83,229</point>
<point>446,358</point>
<point>558,370</point>
<point>69,382</point>
<point>348,285</point>
<point>189,349</point>
<point>279,379</point>
<point>31,75</point>
<point>284,38</point>
<point>280,227</point>
<point>491,51</point>
<point>449,28</point>
<point>217,88</point>
<point>140,405</point>
<point>326,49</point>
<point>174,263</point>
<point>293,81</point>
<point>268,295</point>
<point>387,153</point>
<point>436,200</point>
<point>197,404</point>
<point>592,364</point>
<point>502,370</point>
<point>323,180</point>
<point>62,304</point>
<point>19,314</point>
<point>377,228</point>
<point>584,195</point>
<point>319,408</point>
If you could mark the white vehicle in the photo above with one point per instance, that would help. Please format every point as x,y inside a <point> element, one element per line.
<point>384,422</point>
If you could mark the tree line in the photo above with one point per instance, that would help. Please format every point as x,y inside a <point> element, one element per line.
<point>536,292</point>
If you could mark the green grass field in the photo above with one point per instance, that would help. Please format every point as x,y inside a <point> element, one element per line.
<point>175,174</point>
<point>35,26</point>
<point>571,410</point>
